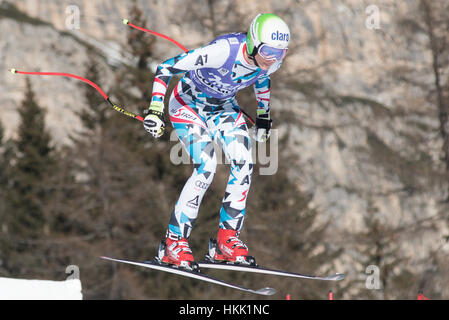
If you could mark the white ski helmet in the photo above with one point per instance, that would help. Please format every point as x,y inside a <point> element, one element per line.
<point>268,29</point>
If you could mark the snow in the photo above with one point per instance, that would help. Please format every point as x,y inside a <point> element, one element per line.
<point>21,289</point>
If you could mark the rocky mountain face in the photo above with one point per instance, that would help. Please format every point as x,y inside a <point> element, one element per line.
<point>354,101</point>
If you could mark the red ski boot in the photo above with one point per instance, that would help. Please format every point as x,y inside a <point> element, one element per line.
<point>229,248</point>
<point>175,250</point>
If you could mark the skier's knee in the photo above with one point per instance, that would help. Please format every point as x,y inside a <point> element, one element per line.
<point>206,169</point>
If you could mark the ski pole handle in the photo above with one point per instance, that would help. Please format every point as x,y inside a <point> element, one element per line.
<point>123,111</point>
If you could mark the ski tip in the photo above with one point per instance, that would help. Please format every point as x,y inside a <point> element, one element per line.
<point>13,71</point>
<point>338,276</point>
<point>106,258</point>
<point>267,291</point>
<point>125,21</point>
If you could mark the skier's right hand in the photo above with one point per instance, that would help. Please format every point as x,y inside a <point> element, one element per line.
<point>154,122</point>
<point>261,131</point>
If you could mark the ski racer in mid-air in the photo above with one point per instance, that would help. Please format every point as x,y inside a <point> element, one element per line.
<point>203,109</point>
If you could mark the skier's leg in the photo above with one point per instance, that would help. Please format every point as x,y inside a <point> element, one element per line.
<point>194,135</point>
<point>232,133</point>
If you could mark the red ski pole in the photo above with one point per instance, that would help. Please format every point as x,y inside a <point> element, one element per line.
<point>126,21</point>
<point>69,75</point>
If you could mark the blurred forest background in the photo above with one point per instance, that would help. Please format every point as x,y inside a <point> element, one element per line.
<point>362,117</point>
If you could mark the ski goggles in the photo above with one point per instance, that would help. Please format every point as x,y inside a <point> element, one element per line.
<point>270,53</point>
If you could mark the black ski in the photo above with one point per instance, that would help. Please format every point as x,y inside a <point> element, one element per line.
<point>193,274</point>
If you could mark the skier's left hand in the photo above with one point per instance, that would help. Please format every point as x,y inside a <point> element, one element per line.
<point>261,131</point>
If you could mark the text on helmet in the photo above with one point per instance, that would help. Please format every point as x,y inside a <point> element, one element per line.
<point>280,36</point>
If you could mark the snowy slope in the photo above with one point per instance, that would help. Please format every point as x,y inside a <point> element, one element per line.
<point>21,289</point>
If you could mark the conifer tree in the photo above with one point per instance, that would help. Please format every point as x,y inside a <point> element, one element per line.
<point>3,171</point>
<point>31,162</point>
<point>4,164</point>
<point>97,110</point>
<point>141,44</point>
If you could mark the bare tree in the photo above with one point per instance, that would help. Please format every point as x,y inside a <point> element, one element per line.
<point>436,24</point>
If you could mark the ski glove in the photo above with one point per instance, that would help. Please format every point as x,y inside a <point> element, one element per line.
<point>261,132</point>
<point>154,122</point>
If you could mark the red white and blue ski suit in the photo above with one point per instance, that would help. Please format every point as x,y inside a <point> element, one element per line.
<point>203,108</point>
